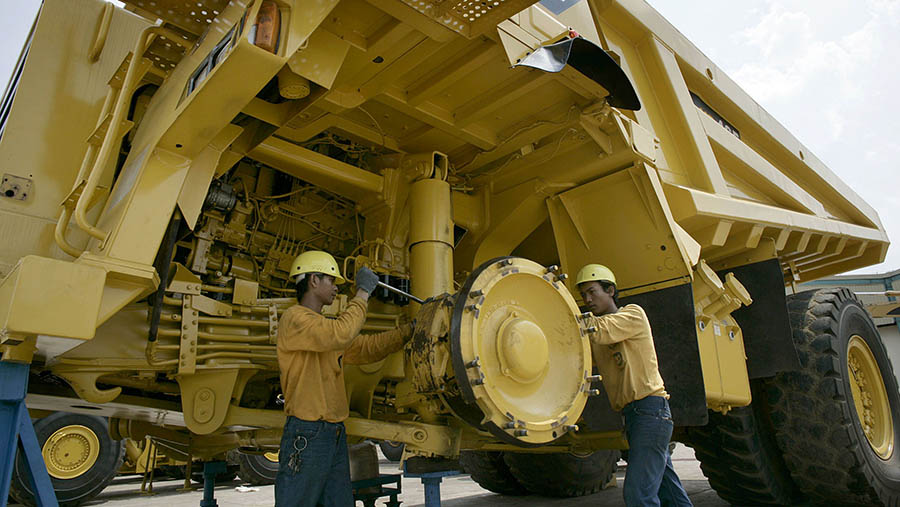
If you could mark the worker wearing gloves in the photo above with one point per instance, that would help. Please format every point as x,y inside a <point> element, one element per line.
<point>622,346</point>
<point>313,463</point>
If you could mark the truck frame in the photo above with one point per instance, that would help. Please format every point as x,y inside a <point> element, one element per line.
<point>165,162</point>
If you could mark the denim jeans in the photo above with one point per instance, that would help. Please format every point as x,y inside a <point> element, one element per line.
<point>323,475</point>
<point>650,478</point>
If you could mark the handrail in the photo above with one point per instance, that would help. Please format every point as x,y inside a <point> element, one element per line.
<point>122,101</point>
<point>102,32</point>
<point>59,234</point>
<point>62,225</point>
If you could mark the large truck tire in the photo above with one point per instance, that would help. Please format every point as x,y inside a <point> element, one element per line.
<point>740,458</point>
<point>81,458</point>
<point>393,451</point>
<point>491,472</point>
<point>257,469</point>
<point>837,419</point>
<point>563,475</point>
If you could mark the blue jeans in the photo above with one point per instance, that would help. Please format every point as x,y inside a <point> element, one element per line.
<point>323,474</point>
<point>650,478</point>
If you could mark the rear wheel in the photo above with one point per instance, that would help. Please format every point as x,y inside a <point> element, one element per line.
<point>257,469</point>
<point>81,458</point>
<point>837,418</point>
<point>393,451</point>
<point>739,457</point>
<point>563,475</point>
<point>491,472</point>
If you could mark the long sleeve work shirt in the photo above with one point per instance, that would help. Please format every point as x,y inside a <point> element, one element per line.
<point>312,351</point>
<point>625,356</point>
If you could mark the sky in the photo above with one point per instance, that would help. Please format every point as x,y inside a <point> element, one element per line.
<point>824,68</point>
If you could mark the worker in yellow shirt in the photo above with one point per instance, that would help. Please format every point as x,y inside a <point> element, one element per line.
<point>622,347</point>
<point>313,463</point>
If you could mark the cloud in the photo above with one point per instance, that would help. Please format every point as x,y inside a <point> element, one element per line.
<point>793,52</point>
<point>835,121</point>
<point>776,29</point>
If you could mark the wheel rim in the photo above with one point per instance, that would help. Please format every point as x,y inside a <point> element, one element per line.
<point>71,451</point>
<point>271,456</point>
<point>870,397</point>
<point>518,351</point>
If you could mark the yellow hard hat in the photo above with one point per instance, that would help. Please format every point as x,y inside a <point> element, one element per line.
<point>595,273</point>
<point>316,261</point>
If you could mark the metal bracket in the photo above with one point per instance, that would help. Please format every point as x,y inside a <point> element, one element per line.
<point>210,306</point>
<point>15,187</point>
<point>273,324</point>
<point>187,355</point>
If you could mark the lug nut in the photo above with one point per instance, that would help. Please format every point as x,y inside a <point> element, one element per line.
<point>593,392</point>
<point>571,427</point>
<point>510,425</point>
<point>504,262</point>
<point>594,378</point>
<point>478,382</point>
<point>562,277</point>
<point>586,315</point>
<point>591,329</point>
<point>552,269</point>
<point>471,308</point>
<point>476,293</point>
<point>475,363</point>
<point>521,433</point>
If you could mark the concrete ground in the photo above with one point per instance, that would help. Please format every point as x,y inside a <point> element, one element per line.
<point>456,491</point>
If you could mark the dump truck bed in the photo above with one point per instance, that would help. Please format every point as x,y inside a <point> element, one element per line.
<point>735,179</point>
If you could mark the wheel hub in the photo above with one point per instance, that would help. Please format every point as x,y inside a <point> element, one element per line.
<point>518,352</point>
<point>71,451</point>
<point>870,397</point>
<point>522,349</point>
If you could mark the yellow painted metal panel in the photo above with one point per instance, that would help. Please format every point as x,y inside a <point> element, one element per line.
<point>586,231</point>
<point>51,297</point>
<point>58,98</point>
<point>679,111</point>
<point>201,174</point>
<point>774,138</point>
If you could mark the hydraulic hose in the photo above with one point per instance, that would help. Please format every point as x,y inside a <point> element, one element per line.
<point>163,261</point>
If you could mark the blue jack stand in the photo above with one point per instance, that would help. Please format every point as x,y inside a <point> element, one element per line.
<point>376,488</point>
<point>432,482</point>
<point>210,470</point>
<point>17,432</point>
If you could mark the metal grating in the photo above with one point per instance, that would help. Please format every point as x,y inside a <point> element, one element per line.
<point>470,18</point>
<point>191,16</point>
<point>164,54</point>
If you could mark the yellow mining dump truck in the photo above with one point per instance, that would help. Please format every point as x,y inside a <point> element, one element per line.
<point>165,162</point>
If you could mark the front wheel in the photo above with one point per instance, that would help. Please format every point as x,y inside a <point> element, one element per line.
<point>257,469</point>
<point>837,419</point>
<point>563,475</point>
<point>491,472</point>
<point>81,458</point>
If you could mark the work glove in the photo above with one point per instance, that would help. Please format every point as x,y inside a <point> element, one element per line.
<point>366,279</point>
